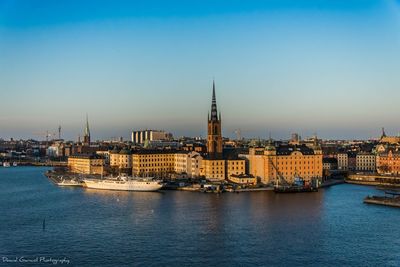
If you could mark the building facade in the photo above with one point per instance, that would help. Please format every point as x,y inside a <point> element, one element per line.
<point>343,161</point>
<point>86,164</point>
<point>285,162</point>
<point>388,162</point>
<point>150,162</point>
<point>140,137</point>
<point>366,162</point>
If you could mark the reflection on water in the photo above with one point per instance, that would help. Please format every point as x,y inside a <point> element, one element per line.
<point>117,228</point>
<point>140,207</point>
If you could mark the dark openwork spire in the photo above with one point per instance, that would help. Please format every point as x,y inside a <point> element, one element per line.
<point>214,113</point>
<point>87,131</point>
<point>383,133</point>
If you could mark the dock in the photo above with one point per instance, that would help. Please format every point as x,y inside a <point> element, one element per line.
<point>374,180</point>
<point>383,200</point>
<point>391,198</point>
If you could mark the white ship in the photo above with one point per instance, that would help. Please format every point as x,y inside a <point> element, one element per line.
<point>15,164</point>
<point>124,183</point>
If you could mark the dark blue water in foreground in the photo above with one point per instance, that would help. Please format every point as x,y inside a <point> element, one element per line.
<point>100,228</point>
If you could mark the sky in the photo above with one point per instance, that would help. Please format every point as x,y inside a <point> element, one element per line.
<point>329,67</point>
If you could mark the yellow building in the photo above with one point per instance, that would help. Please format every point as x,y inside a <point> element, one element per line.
<point>235,167</point>
<point>213,169</point>
<point>285,161</point>
<point>86,164</point>
<point>243,179</point>
<point>153,162</point>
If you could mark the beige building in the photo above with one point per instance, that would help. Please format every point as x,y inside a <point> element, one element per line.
<point>195,164</point>
<point>181,162</point>
<point>343,161</point>
<point>243,179</point>
<point>366,162</point>
<point>213,169</point>
<point>121,160</point>
<point>86,164</point>
<point>188,163</point>
<point>153,162</point>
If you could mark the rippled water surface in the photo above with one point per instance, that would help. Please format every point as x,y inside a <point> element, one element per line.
<point>106,228</point>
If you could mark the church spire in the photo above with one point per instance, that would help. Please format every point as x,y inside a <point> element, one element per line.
<point>87,131</point>
<point>214,112</point>
<point>86,135</point>
<point>383,132</point>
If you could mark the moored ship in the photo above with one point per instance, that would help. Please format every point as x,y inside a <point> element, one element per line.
<point>298,186</point>
<point>124,183</point>
<point>69,182</point>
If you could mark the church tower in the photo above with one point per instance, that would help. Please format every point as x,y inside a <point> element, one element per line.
<point>214,136</point>
<point>86,136</point>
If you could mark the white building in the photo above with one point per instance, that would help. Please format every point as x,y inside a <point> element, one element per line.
<point>194,164</point>
<point>181,162</point>
<point>188,162</point>
<point>139,137</point>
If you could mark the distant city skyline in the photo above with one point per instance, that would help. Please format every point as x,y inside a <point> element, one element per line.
<point>325,67</point>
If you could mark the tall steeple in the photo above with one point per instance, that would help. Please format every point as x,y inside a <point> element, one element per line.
<point>214,112</point>
<point>86,135</point>
<point>383,132</point>
<point>214,136</point>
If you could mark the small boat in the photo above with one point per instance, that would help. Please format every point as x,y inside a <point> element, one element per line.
<point>124,183</point>
<point>6,164</point>
<point>69,182</point>
<point>15,164</point>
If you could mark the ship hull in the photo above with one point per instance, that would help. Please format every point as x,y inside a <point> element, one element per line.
<point>143,186</point>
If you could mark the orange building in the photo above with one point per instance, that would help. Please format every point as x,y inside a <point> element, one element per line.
<point>388,162</point>
<point>285,161</point>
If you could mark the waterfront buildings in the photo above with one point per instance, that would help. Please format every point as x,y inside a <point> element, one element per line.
<point>86,164</point>
<point>121,160</point>
<point>153,162</point>
<point>243,179</point>
<point>285,161</point>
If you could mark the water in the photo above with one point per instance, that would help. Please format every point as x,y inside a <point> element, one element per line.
<point>105,228</point>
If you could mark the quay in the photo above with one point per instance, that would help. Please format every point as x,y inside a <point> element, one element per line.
<point>374,180</point>
<point>331,182</point>
<point>383,200</point>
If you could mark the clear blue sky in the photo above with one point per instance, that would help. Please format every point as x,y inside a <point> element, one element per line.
<point>280,66</point>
